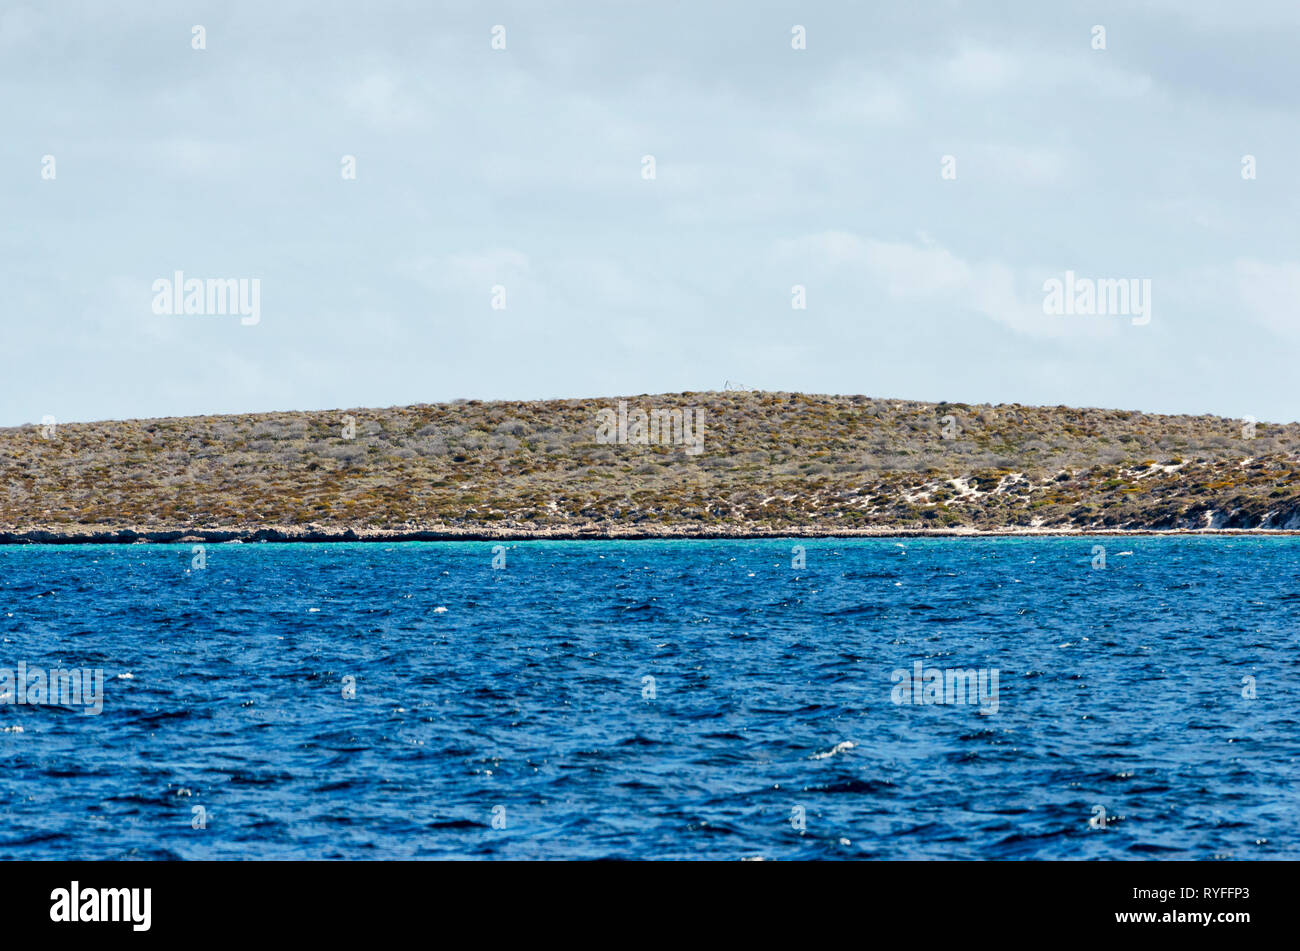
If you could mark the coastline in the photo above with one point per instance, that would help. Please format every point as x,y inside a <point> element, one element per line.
<point>776,465</point>
<point>128,536</point>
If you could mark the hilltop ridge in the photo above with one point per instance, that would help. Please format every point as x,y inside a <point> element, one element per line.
<point>768,463</point>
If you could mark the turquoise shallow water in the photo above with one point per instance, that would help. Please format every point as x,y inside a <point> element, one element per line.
<point>507,712</point>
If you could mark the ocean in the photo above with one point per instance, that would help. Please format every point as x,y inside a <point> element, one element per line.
<point>939,698</point>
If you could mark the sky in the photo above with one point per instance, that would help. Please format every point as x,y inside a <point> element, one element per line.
<point>920,170</point>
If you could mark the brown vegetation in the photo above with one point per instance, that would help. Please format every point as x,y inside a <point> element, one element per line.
<point>771,462</point>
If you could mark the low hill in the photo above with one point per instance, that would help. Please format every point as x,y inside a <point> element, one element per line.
<point>780,463</point>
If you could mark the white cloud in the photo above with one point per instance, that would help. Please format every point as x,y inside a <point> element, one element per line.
<point>477,265</point>
<point>986,70</point>
<point>197,157</point>
<point>493,264</point>
<point>983,69</point>
<point>861,97</point>
<point>928,274</point>
<point>18,27</point>
<point>380,98</point>
<point>1270,294</point>
<point>1022,165</point>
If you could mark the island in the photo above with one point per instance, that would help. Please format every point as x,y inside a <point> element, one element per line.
<point>736,463</point>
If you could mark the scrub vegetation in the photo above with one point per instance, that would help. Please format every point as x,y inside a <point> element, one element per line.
<point>771,462</point>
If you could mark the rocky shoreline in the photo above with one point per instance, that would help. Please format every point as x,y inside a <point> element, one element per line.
<point>129,536</point>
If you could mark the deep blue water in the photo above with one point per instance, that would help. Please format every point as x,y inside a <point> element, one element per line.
<point>1119,688</point>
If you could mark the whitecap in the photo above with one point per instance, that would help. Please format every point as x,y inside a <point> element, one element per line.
<point>837,748</point>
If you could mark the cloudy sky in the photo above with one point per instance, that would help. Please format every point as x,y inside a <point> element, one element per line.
<point>523,169</point>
